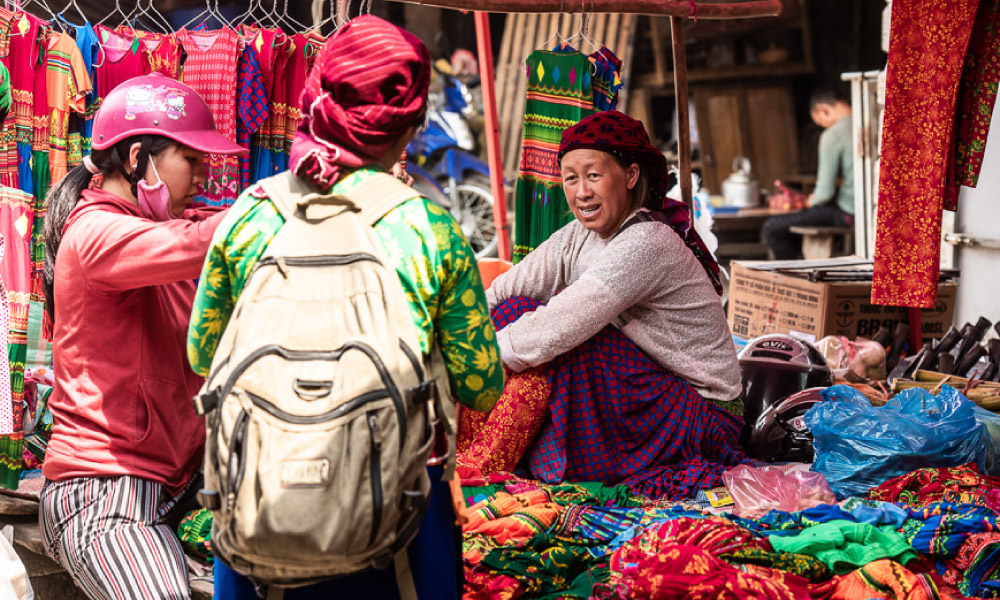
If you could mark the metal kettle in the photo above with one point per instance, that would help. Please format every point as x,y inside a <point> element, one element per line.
<point>739,189</point>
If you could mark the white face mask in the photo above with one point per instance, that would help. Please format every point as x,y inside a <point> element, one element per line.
<point>154,200</point>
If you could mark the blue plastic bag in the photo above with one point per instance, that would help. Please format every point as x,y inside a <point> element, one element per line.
<point>859,446</point>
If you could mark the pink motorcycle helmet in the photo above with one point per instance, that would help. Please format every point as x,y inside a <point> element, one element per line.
<point>157,105</point>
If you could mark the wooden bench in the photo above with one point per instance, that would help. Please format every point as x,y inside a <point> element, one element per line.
<point>48,578</point>
<point>819,242</point>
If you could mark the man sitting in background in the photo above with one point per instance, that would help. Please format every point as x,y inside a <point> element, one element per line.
<point>828,206</point>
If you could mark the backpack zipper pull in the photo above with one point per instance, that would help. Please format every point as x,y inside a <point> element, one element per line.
<point>282,266</point>
<point>376,431</point>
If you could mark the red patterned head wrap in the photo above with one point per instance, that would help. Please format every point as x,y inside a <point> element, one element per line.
<point>369,84</point>
<point>620,135</point>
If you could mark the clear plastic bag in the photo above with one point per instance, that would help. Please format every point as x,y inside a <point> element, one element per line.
<point>859,446</point>
<point>864,358</point>
<point>789,488</point>
<point>14,582</point>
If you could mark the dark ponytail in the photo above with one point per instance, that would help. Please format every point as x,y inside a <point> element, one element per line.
<point>64,196</point>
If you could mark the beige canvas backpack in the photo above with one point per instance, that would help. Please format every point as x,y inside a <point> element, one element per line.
<point>319,405</point>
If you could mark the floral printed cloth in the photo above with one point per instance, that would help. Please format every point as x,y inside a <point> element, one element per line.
<point>977,96</point>
<point>927,51</point>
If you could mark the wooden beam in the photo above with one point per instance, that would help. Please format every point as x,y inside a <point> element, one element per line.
<point>683,120</point>
<point>671,8</point>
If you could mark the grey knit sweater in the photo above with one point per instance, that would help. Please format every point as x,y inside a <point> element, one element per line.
<point>644,281</point>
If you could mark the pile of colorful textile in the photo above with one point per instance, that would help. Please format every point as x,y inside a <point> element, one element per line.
<point>930,534</point>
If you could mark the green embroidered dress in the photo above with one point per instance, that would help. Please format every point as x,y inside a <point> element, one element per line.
<point>559,95</point>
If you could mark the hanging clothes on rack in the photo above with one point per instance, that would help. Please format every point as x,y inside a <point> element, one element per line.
<point>977,94</point>
<point>68,85</point>
<point>316,42</point>
<point>25,68</point>
<point>125,57</point>
<point>607,78</point>
<point>81,124</point>
<point>294,73</point>
<point>559,94</point>
<point>164,50</point>
<point>210,68</point>
<point>927,48</point>
<point>252,107</point>
<point>7,404</point>
<point>269,45</point>
<point>8,133</point>
<point>16,222</point>
<point>41,123</point>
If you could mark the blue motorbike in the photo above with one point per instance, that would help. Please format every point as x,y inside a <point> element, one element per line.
<point>442,160</point>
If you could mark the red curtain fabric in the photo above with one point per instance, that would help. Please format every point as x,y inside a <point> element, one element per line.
<point>927,50</point>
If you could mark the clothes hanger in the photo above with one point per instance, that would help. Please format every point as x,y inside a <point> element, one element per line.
<point>557,36</point>
<point>217,12</point>
<point>72,3</point>
<point>206,14</point>
<point>270,17</point>
<point>101,54</point>
<point>118,9</point>
<point>584,26</point>
<point>44,5</point>
<point>241,19</point>
<point>285,17</point>
<point>155,17</point>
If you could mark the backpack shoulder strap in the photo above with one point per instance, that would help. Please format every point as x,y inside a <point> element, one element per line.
<point>286,190</point>
<point>374,197</point>
<point>378,195</point>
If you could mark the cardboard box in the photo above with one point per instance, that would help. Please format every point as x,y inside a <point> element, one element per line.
<point>762,302</point>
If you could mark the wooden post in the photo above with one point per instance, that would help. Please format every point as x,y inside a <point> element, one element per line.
<point>493,150</point>
<point>683,121</point>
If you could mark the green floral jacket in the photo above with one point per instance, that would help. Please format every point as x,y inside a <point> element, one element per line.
<point>431,255</point>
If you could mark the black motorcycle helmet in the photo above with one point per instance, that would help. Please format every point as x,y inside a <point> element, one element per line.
<point>772,368</point>
<point>780,433</point>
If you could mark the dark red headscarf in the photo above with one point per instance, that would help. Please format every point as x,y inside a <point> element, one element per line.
<point>369,84</point>
<point>618,134</point>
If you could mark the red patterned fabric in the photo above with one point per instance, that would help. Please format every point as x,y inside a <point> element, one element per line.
<point>295,78</point>
<point>496,441</point>
<point>963,484</point>
<point>926,52</point>
<point>977,96</point>
<point>124,57</point>
<point>358,102</point>
<point>252,106</point>
<point>164,50</point>
<point>210,69</point>
<point>657,569</point>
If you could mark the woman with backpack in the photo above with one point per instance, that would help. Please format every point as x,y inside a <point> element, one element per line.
<point>360,108</point>
<point>122,466</point>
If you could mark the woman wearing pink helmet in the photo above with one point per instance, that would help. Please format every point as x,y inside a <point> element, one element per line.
<point>119,269</point>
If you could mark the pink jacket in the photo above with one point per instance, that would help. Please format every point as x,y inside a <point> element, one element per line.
<point>124,286</point>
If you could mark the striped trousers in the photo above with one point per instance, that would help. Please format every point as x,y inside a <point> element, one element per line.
<point>117,535</point>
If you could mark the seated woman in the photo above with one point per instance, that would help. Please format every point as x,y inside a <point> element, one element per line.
<point>613,327</point>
